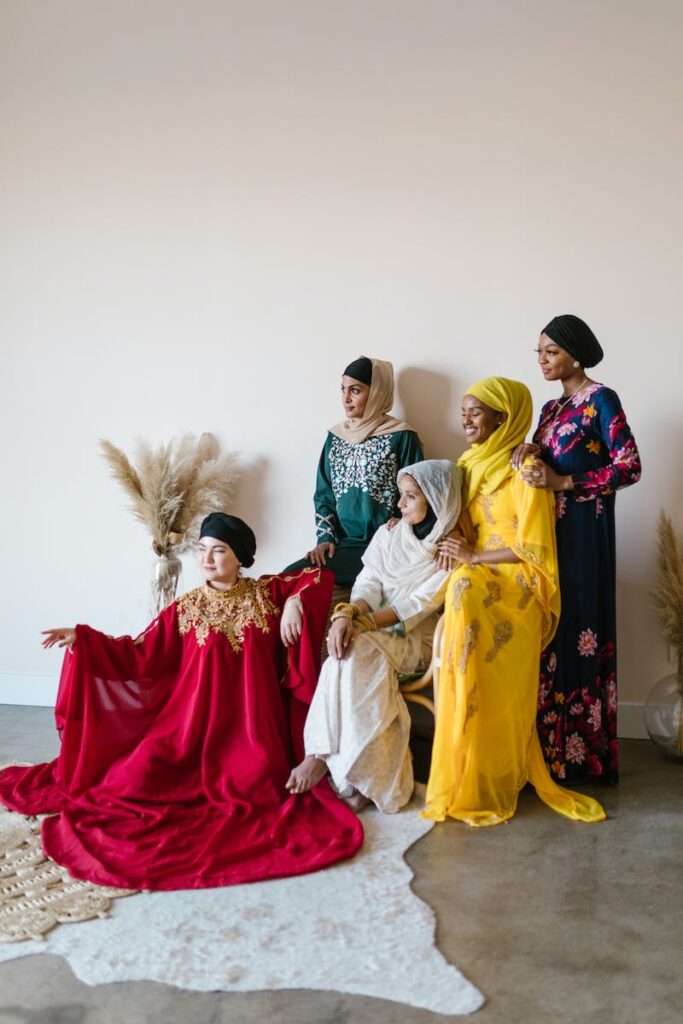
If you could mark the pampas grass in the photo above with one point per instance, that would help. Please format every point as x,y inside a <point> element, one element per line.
<point>171,488</point>
<point>668,591</point>
<point>668,599</point>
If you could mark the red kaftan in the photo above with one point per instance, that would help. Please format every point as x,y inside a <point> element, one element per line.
<point>176,747</point>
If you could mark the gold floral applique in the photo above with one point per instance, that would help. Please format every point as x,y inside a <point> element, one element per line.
<point>471,640</point>
<point>228,612</point>
<point>494,593</point>
<point>494,543</point>
<point>486,502</point>
<point>502,634</point>
<point>528,589</point>
<point>529,555</point>
<point>458,589</point>
<point>472,706</point>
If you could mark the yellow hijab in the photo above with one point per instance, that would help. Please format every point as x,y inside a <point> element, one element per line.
<point>488,465</point>
<point>376,418</point>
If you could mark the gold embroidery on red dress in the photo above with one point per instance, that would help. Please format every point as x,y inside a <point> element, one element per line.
<point>228,612</point>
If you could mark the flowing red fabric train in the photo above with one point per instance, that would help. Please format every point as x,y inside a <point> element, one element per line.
<point>176,747</point>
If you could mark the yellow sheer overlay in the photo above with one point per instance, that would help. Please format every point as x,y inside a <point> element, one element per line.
<point>497,619</point>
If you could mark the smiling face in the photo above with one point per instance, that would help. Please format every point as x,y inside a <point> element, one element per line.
<point>217,562</point>
<point>478,419</point>
<point>412,502</point>
<point>555,362</point>
<point>354,396</point>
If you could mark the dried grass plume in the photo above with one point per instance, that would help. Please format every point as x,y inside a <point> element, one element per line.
<point>173,486</point>
<point>668,591</point>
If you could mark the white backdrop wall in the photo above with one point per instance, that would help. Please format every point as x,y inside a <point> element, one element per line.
<point>208,208</point>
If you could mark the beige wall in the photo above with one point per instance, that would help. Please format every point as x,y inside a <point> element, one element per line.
<point>207,208</point>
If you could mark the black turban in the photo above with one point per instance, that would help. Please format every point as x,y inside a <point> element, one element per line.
<point>360,369</point>
<point>232,531</point>
<point>575,336</point>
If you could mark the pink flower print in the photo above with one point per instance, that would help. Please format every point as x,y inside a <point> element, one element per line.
<point>567,428</point>
<point>611,691</point>
<point>575,749</point>
<point>588,643</point>
<point>560,505</point>
<point>598,507</point>
<point>546,436</point>
<point>627,456</point>
<point>550,718</point>
<point>595,717</point>
<point>552,662</point>
<point>606,654</point>
<point>576,709</point>
<point>616,425</point>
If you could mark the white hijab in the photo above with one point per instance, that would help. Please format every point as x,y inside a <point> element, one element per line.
<point>397,557</point>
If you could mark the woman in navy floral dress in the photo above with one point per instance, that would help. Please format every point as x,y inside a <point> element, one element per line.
<point>584,452</point>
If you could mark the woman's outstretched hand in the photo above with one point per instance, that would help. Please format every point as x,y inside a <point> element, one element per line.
<point>62,637</point>
<point>520,453</point>
<point>321,552</point>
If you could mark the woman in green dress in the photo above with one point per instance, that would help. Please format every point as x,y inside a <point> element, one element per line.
<point>356,484</point>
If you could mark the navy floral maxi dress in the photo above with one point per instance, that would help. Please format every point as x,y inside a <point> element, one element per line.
<point>588,438</point>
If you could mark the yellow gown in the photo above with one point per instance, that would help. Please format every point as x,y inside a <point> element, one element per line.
<point>497,619</point>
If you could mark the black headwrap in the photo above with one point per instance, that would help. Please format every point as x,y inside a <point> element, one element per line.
<point>423,529</point>
<point>360,369</point>
<point>232,531</point>
<point>575,336</point>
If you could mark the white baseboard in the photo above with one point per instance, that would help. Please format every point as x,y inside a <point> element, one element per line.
<point>41,691</point>
<point>34,691</point>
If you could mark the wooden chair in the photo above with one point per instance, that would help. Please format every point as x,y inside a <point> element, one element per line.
<point>411,686</point>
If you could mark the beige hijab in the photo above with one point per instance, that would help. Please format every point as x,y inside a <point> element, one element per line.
<point>376,419</point>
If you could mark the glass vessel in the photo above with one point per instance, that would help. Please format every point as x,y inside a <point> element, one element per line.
<point>664,715</point>
<point>165,581</point>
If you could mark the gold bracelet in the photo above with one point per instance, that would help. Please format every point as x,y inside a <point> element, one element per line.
<point>348,611</point>
<point>341,615</point>
<point>364,623</point>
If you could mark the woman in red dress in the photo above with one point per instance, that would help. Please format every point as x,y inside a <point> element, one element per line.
<point>177,745</point>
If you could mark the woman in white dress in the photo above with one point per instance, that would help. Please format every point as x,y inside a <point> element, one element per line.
<point>358,725</point>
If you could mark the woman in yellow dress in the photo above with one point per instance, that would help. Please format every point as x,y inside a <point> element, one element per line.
<point>502,607</point>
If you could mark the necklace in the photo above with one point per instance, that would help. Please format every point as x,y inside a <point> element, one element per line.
<point>561,403</point>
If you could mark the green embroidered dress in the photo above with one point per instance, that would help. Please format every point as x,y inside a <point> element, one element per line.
<point>356,493</point>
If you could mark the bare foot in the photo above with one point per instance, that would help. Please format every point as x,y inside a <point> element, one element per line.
<point>306,775</point>
<point>357,802</point>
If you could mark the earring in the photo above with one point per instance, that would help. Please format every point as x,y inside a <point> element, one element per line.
<point>576,364</point>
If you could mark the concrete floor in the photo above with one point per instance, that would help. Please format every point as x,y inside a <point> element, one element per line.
<point>554,921</point>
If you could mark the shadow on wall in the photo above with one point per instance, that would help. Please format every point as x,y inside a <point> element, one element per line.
<point>432,406</point>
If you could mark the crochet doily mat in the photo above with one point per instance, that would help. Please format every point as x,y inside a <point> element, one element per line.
<point>35,893</point>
